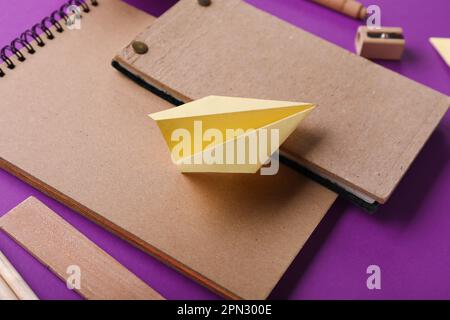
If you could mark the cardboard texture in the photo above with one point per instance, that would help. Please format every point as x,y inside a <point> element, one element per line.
<point>370,122</point>
<point>80,132</point>
<point>208,134</point>
<point>61,247</point>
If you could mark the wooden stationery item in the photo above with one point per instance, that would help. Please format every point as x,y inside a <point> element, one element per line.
<point>386,43</point>
<point>62,248</point>
<point>370,122</point>
<point>14,280</point>
<point>351,8</point>
<point>80,132</point>
<point>5,291</point>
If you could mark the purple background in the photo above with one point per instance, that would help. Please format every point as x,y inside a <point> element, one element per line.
<point>409,237</point>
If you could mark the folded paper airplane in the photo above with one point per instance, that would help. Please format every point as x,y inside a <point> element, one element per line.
<point>226,134</point>
<point>442,45</point>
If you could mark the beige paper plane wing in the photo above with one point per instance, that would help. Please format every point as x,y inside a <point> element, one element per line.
<point>442,45</point>
<point>227,134</point>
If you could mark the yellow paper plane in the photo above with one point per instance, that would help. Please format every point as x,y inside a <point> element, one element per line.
<point>442,45</point>
<point>227,134</point>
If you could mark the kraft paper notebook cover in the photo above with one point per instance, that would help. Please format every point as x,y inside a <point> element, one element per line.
<point>78,130</point>
<point>370,122</point>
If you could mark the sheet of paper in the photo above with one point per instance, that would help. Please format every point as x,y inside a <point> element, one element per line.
<point>442,45</point>
<point>228,134</point>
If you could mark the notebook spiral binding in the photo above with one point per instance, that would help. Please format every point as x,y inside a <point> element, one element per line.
<point>44,26</point>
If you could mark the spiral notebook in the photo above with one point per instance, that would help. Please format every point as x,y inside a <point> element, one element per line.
<point>370,122</point>
<point>78,130</point>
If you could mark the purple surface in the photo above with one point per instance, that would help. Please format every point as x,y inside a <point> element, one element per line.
<point>408,237</point>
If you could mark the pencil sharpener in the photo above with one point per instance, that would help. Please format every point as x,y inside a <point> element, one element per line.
<point>387,43</point>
